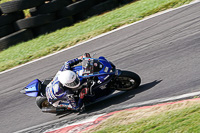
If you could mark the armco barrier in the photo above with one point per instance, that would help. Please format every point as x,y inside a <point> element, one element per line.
<point>46,16</point>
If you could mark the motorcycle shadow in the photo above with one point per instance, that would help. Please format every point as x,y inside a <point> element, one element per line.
<point>102,105</point>
<point>118,98</point>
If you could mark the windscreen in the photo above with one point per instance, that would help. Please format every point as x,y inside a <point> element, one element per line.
<point>88,66</point>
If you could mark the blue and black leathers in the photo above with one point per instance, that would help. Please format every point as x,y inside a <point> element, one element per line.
<point>60,96</point>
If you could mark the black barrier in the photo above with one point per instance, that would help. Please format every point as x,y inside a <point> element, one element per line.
<point>46,16</point>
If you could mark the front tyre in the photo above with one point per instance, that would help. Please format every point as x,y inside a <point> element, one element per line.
<point>127,81</point>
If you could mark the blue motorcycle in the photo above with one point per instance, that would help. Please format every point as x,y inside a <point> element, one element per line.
<point>94,70</point>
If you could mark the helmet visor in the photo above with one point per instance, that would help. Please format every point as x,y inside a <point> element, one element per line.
<point>74,84</point>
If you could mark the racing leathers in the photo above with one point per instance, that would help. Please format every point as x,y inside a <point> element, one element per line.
<point>61,96</point>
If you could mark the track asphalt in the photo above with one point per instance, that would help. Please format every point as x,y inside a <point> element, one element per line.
<point>163,50</point>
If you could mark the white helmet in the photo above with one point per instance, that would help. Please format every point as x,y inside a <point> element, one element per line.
<point>69,79</point>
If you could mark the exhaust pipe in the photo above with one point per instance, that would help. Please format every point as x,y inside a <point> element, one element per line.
<point>53,110</point>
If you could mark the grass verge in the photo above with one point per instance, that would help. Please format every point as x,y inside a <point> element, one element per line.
<point>174,118</point>
<point>66,37</point>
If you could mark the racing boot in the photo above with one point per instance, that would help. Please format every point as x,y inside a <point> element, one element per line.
<point>81,106</point>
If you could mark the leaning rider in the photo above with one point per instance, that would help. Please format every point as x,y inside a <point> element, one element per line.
<point>60,91</point>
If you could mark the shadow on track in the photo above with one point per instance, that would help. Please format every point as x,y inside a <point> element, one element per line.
<point>119,97</point>
<point>116,98</point>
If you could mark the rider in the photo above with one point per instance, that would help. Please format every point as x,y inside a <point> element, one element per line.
<point>60,91</point>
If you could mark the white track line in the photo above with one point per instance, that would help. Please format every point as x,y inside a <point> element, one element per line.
<point>104,34</point>
<point>139,104</point>
<point>146,103</point>
<point>161,100</point>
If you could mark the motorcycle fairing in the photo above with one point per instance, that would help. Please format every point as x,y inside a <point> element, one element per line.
<point>32,89</point>
<point>96,67</point>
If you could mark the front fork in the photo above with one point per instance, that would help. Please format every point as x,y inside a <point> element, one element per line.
<point>118,72</point>
<point>112,84</point>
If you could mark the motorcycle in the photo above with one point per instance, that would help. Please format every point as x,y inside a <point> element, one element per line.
<point>94,70</point>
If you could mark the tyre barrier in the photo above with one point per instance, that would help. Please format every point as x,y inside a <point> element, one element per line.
<point>46,16</point>
<point>16,37</point>
<point>53,26</point>
<point>19,5</point>
<point>50,7</point>
<point>0,12</point>
<point>34,21</point>
<point>102,7</point>
<point>6,30</point>
<point>10,18</point>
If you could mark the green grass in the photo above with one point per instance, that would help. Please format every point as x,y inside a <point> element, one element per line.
<point>182,120</point>
<point>82,31</point>
<point>3,1</point>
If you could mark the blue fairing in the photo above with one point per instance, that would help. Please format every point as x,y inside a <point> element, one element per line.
<point>32,89</point>
<point>101,70</point>
<point>104,67</point>
<point>106,70</point>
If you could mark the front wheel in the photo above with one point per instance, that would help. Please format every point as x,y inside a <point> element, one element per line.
<point>127,81</point>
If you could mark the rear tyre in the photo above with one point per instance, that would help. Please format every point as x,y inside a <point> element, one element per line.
<point>6,30</point>
<point>46,107</point>
<point>42,102</point>
<point>34,21</point>
<point>14,38</point>
<point>127,81</point>
<point>6,19</point>
<point>19,5</point>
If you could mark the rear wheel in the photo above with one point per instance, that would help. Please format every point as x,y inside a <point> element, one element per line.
<point>42,102</point>
<point>46,107</point>
<point>127,81</point>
